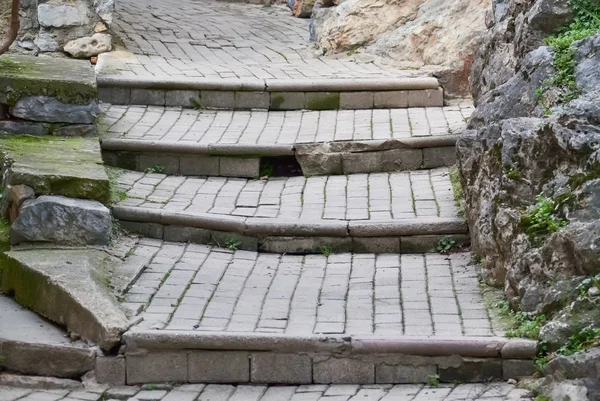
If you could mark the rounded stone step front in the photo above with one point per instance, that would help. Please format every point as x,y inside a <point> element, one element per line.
<point>247,144</point>
<point>380,212</point>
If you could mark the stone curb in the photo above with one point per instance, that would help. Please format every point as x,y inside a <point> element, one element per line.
<point>138,145</point>
<point>271,85</point>
<point>39,359</point>
<point>483,347</point>
<point>275,227</point>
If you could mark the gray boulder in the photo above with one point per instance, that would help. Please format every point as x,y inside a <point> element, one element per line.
<point>89,46</point>
<point>62,220</point>
<point>51,110</point>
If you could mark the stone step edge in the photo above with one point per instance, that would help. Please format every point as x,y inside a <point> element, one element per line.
<point>40,359</point>
<point>257,226</point>
<point>476,347</point>
<point>266,150</point>
<point>271,85</point>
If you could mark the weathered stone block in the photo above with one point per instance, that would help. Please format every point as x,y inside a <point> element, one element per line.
<point>404,374</point>
<point>251,100</point>
<point>14,196</point>
<point>219,367</point>
<point>152,230</point>
<point>239,166</point>
<point>157,367</point>
<point>63,15</point>
<point>180,98</point>
<point>111,370</point>
<point>391,99</point>
<point>217,99</point>
<point>12,127</point>
<point>426,98</point>
<point>62,220</point>
<point>472,370</point>
<point>376,244</point>
<point>150,97</point>
<point>322,100</point>
<point>198,165</point>
<point>168,164</point>
<point>517,368</point>
<point>51,110</point>
<point>68,81</point>
<point>287,101</point>
<point>343,370</point>
<point>356,100</point>
<point>186,234</point>
<point>439,157</point>
<point>274,368</point>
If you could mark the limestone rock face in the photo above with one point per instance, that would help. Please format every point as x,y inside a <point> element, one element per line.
<point>62,220</point>
<point>443,34</point>
<point>89,46</point>
<point>55,14</point>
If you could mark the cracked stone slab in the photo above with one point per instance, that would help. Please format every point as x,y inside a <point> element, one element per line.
<point>69,287</point>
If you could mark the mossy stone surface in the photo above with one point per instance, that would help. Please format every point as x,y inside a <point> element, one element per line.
<point>69,81</point>
<point>71,167</point>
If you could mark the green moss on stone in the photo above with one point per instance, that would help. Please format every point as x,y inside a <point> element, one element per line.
<point>325,101</point>
<point>70,167</point>
<point>69,81</point>
<point>277,101</point>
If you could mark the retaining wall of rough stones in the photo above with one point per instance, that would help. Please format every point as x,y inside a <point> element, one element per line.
<point>47,25</point>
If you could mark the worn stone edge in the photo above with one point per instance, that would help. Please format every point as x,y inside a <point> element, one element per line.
<point>271,85</point>
<point>255,226</point>
<point>408,345</point>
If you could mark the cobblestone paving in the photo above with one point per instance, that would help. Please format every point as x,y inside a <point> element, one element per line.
<point>210,39</point>
<point>377,196</point>
<point>204,288</point>
<point>336,392</point>
<point>260,127</point>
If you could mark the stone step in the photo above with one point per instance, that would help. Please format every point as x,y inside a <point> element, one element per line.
<point>379,212</point>
<point>214,315</point>
<point>194,357</point>
<point>263,94</point>
<point>224,143</point>
<point>31,345</point>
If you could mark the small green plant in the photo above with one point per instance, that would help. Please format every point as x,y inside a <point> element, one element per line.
<point>125,133</point>
<point>157,169</point>
<point>266,169</point>
<point>445,245</point>
<point>457,190</point>
<point>542,398</point>
<point>233,243</point>
<point>581,340</point>
<point>433,381</point>
<point>543,218</point>
<point>513,174</point>
<point>525,326</point>
<point>325,250</point>
<point>586,22</point>
<point>324,51</point>
<point>586,284</point>
<point>195,102</point>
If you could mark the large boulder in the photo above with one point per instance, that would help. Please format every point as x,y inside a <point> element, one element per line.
<point>62,220</point>
<point>438,33</point>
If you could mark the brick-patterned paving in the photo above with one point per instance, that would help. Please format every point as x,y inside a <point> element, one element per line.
<point>204,288</point>
<point>211,39</point>
<point>377,196</point>
<point>261,127</point>
<point>335,392</point>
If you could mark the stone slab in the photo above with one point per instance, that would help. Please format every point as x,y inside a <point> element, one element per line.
<point>69,81</point>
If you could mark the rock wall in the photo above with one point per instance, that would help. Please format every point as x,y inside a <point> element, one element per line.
<point>48,25</point>
<point>530,167</point>
<point>441,34</point>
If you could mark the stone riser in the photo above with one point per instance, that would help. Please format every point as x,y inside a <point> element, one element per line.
<point>190,164</point>
<point>294,244</point>
<point>272,100</point>
<point>196,357</point>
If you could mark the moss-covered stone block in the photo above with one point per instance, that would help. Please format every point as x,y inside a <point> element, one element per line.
<point>322,100</point>
<point>69,81</point>
<point>71,167</point>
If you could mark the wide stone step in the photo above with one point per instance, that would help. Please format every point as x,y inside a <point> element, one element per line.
<point>214,315</point>
<point>33,346</point>
<point>379,212</point>
<point>247,144</point>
